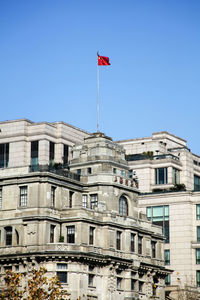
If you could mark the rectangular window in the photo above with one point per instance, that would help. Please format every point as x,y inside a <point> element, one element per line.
<point>133,284</point>
<point>114,171</point>
<point>78,171</point>
<point>62,273</point>
<point>84,201</point>
<point>132,248</point>
<point>89,171</point>
<point>8,236</point>
<point>93,201</point>
<point>34,155</point>
<point>0,198</point>
<point>52,229</point>
<point>197,256</point>
<point>51,153</point>
<point>159,215</point>
<point>198,234</point>
<point>175,176</point>
<point>53,197</point>
<point>139,245</point>
<point>70,198</point>
<point>198,211</point>
<point>153,249</point>
<point>65,154</point>
<point>141,286</point>
<point>198,278</point>
<point>90,279</point>
<point>118,240</point>
<point>23,196</point>
<point>119,283</point>
<point>91,235</point>
<point>196,183</point>
<point>70,234</point>
<point>167,257</point>
<point>161,176</point>
<point>4,155</point>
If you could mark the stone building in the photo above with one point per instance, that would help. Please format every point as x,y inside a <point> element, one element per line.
<point>69,202</point>
<point>169,182</point>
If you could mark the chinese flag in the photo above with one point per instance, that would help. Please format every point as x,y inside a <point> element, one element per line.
<point>103,61</point>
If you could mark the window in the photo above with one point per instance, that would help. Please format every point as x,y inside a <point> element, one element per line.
<point>133,284</point>
<point>159,215</point>
<point>51,153</point>
<point>198,233</point>
<point>198,278</point>
<point>91,235</point>
<point>196,183</point>
<point>119,283</point>
<point>139,245</point>
<point>0,198</point>
<point>70,234</point>
<point>65,154</point>
<point>34,155</point>
<point>130,173</point>
<point>122,173</point>
<point>89,171</point>
<point>198,211</point>
<point>123,206</point>
<point>93,201</point>
<point>17,237</point>
<point>23,196</point>
<point>141,286</point>
<point>153,249</point>
<point>53,192</point>
<point>70,198</point>
<point>114,171</point>
<point>90,279</point>
<point>4,155</point>
<point>84,201</point>
<point>175,176</point>
<point>62,273</point>
<point>168,280</point>
<point>132,247</point>
<point>118,240</point>
<point>167,257</point>
<point>8,236</point>
<point>161,176</point>
<point>78,171</point>
<point>52,229</point>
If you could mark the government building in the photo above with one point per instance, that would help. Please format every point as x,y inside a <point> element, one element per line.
<point>69,203</point>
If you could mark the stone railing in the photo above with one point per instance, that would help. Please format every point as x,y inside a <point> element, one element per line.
<point>130,182</point>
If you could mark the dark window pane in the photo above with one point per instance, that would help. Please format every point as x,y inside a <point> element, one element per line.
<point>62,276</point>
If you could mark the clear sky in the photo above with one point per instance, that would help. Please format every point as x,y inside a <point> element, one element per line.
<point>48,65</point>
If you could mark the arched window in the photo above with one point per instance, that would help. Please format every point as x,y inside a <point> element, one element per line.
<point>123,206</point>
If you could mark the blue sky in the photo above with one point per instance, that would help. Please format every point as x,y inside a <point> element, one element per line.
<point>48,65</point>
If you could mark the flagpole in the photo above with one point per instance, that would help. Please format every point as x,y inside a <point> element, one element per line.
<point>97,97</point>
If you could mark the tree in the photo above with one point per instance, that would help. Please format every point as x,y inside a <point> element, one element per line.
<point>34,286</point>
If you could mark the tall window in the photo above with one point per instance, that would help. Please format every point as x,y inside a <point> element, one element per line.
<point>159,215</point>
<point>93,201</point>
<point>119,283</point>
<point>34,155</point>
<point>65,154</point>
<point>123,206</point>
<point>196,183</point>
<point>53,196</point>
<point>168,280</point>
<point>132,248</point>
<point>0,198</point>
<point>8,235</point>
<point>70,198</point>
<point>198,211</point>
<point>161,176</point>
<point>52,230</point>
<point>4,155</point>
<point>198,233</point>
<point>17,237</point>
<point>153,249</point>
<point>51,153</point>
<point>62,272</point>
<point>198,278</point>
<point>91,235</point>
<point>90,279</point>
<point>167,257</point>
<point>70,234</point>
<point>118,240</point>
<point>175,176</point>
<point>139,245</point>
<point>23,196</point>
<point>84,201</point>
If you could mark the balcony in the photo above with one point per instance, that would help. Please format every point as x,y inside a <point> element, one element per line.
<point>57,169</point>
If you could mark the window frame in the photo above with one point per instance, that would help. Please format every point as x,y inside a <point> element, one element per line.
<point>123,206</point>
<point>140,241</point>
<point>118,240</point>
<point>52,233</point>
<point>23,196</point>
<point>71,234</point>
<point>53,196</point>
<point>132,242</point>
<point>91,235</point>
<point>84,200</point>
<point>61,271</point>
<point>161,178</point>
<point>8,235</point>
<point>167,257</point>
<point>93,200</point>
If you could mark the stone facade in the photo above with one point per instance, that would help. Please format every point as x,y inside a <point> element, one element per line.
<point>69,202</point>
<point>169,178</point>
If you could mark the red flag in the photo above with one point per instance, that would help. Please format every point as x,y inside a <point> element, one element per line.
<point>103,60</point>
